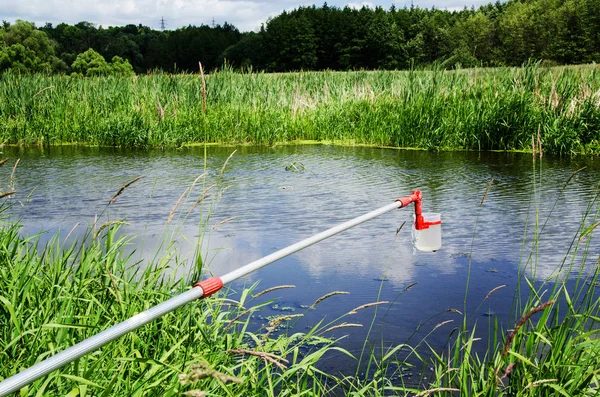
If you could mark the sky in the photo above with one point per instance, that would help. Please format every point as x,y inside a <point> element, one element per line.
<point>246,15</point>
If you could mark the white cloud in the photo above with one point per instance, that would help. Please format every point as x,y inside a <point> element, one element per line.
<point>358,6</point>
<point>244,14</point>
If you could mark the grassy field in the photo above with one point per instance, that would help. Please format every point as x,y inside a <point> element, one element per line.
<point>474,109</point>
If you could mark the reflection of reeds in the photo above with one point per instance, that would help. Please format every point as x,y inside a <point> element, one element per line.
<point>326,296</point>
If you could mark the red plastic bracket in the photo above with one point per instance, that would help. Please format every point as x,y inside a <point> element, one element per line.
<point>210,286</point>
<point>417,198</point>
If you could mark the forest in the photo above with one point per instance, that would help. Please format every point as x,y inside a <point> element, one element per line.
<point>557,32</point>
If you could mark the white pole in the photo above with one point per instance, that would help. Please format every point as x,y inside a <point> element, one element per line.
<point>23,378</point>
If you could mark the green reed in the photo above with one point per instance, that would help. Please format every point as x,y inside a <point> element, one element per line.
<point>474,109</point>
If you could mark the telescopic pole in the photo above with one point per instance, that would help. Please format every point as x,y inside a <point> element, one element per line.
<point>200,290</point>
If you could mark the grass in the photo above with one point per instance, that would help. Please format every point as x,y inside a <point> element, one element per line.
<point>55,295</point>
<point>474,109</point>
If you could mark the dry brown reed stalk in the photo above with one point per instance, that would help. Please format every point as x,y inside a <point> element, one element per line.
<point>232,322</point>
<point>9,193</point>
<point>202,371</point>
<point>12,175</point>
<point>522,321</point>
<point>329,295</point>
<point>442,323</point>
<point>494,290</point>
<point>203,87</point>
<point>574,173</point>
<point>107,224</point>
<point>125,186</point>
<point>273,289</point>
<point>42,90</point>
<point>452,310</point>
<point>489,186</point>
<point>366,305</point>
<point>223,222</point>
<point>268,357</point>
<point>2,162</point>
<point>342,325</point>
<point>160,111</point>
<point>469,341</point>
<point>409,286</point>
<point>203,197</point>
<point>226,162</point>
<point>195,393</point>
<point>72,230</point>
<point>539,382</point>
<point>230,302</point>
<point>398,230</point>
<point>436,390</point>
<point>172,213</point>
<point>113,282</point>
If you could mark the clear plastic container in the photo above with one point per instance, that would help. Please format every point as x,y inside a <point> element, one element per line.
<point>430,239</point>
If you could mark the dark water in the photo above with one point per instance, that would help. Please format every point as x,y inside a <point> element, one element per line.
<point>274,207</point>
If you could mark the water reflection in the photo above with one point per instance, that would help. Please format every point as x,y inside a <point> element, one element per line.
<point>274,207</point>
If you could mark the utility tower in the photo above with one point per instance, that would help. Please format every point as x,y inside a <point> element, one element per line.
<point>163,25</point>
<point>213,23</point>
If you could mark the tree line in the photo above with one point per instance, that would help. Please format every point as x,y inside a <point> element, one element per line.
<point>327,38</point>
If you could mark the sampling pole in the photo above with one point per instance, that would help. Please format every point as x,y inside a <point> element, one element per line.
<point>200,290</point>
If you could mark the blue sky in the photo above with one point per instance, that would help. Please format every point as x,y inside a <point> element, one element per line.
<point>245,14</point>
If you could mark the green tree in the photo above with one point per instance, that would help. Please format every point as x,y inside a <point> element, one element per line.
<point>26,49</point>
<point>121,66</point>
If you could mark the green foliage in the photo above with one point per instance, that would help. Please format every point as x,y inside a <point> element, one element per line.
<point>25,49</point>
<point>91,63</point>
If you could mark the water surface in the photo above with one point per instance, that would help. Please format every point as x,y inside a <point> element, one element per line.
<point>278,196</point>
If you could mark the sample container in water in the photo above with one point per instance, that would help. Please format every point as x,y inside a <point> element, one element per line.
<point>428,239</point>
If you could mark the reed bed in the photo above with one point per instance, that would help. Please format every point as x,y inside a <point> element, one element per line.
<point>474,109</point>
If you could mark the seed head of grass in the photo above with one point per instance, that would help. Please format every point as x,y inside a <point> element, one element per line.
<point>201,371</point>
<point>342,325</point>
<point>326,296</point>
<point>273,289</point>
<point>367,305</point>
<point>125,186</point>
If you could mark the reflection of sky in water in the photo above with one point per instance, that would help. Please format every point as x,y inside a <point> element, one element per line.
<point>274,208</point>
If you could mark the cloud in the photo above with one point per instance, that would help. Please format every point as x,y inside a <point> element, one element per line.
<point>244,14</point>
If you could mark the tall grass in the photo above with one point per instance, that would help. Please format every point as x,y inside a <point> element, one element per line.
<point>475,109</point>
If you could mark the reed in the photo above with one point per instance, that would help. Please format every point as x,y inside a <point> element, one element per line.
<point>474,109</point>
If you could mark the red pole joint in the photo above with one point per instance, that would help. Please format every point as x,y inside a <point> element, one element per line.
<point>210,286</point>
<point>417,198</point>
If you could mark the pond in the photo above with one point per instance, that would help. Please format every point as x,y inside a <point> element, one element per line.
<point>275,196</point>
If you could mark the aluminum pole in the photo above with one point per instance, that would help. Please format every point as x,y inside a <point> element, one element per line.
<point>202,289</point>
